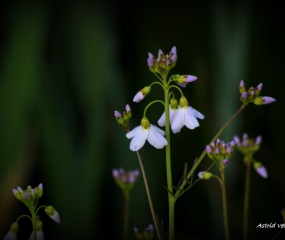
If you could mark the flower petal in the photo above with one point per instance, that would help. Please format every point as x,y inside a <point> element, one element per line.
<point>161,120</point>
<point>155,138</point>
<point>133,132</point>
<point>157,129</point>
<point>196,113</point>
<point>138,97</point>
<point>139,139</point>
<point>178,120</point>
<point>190,120</point>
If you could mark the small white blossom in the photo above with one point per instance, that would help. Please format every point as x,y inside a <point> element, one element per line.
<point>40,235</point>
<point>10,236</point>
<point>185,116</point>
<point>161,120</point>
<point>149,132</point>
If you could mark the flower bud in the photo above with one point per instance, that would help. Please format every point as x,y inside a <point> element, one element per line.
<point>52,213</point>
<point>260,169</point>
<point>205,175</point>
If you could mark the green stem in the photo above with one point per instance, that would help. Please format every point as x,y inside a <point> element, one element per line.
<point>225,209</point>
<point>34,222</point>
<point>196,164</point>
<point>246,201</point>
<point>149,197</point>
<point>126,214</point>
<point>171,198</point>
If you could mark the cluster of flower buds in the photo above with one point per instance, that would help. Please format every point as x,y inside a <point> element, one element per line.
<point>146,234</point>
<point>163,63</point>
<point>29,197</point>
<point>125,180</point>
<point>220,152</point>
<point>124,118</point>
<point>253,95</point>
<point>248,147</point>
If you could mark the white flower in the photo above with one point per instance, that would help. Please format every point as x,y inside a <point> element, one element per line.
<point>161,120</point>
<point>149,132</point>
<point>40,235</point>
<point>185,116</point>
<point>10,236</point>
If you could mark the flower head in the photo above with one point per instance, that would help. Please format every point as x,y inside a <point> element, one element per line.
<point>253,95</point>
<point>163,63</point>
<point>125,180</point>
<point>124,118</point>
<point>185,115</point>
<point>147,233</point>
<point>247,145</point>
<point>149,132</point>
<point>28,195</point>
<point>220,152</point>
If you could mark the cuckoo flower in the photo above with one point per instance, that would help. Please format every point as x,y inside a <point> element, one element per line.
<point>173,106</point>
<point>185,115</point>
<point>149,132</point>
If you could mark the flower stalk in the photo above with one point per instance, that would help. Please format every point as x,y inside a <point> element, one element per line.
<point>225,208</point>
<point>156,225</point>
<point>171,198</point>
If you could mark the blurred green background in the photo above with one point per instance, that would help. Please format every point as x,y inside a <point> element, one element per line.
<point>67,65</point>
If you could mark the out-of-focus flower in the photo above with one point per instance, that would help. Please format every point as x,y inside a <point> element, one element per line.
<point>12,234</point>
<point>52,213</point>
<point>260,169</point>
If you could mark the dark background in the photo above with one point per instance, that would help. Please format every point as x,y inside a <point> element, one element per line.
<point>65,66</point>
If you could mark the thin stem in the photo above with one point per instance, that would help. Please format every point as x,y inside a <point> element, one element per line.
<point>246,202</point>
<point>149,197</point>
<point>126,214</point>
<point>34,222</point>
<point>181,187</point>
<point>276,234</point>
<point>171,198</point>
<point>225,209</point>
